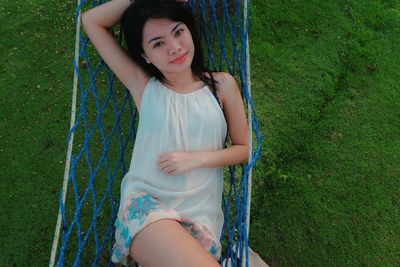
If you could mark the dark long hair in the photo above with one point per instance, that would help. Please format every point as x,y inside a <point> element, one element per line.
<point>133,21</point>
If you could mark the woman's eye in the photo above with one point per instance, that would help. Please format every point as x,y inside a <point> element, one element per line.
<point>178,32</point>
<point>158,44</point>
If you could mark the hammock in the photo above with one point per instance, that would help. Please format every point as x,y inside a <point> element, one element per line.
<point>102,135</point>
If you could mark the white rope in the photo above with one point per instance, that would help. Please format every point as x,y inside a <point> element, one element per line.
<point>70,143</point>
<point>250,126</point>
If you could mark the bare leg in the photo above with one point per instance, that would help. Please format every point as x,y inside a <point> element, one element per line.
<point>166,243</point>
<point>255,260</point>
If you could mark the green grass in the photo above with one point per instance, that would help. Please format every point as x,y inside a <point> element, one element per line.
<point>326,87</point>
<point>325,82</point>
<point>34,119</point>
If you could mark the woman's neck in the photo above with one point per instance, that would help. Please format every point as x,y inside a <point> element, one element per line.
<point>182,82</point>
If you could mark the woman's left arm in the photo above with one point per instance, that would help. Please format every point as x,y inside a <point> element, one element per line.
<point>174,163</point>
<point>236,120</point>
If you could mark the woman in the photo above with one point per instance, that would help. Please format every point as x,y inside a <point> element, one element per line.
<point>170,210</point>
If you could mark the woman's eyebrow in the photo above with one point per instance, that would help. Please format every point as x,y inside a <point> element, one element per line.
<point>159,37</point>
<point>176,26</point>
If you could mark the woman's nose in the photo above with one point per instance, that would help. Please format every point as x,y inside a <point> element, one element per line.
<point>175,47</point>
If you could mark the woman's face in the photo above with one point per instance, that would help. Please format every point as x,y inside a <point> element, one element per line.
<point>168,45</point>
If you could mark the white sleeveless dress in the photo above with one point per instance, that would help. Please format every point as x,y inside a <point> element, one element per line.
<point>169,122</point>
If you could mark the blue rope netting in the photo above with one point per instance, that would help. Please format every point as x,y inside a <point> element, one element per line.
<point>104,134</point>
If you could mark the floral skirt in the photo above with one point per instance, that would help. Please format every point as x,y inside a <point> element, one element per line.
<point>140,210</point>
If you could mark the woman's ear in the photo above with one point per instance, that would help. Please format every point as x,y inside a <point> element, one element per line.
<point>145,58</point>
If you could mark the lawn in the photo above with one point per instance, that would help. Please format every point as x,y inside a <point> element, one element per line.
<point>325,82</point>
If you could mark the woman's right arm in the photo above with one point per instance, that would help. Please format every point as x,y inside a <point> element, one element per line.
<point>96,23</point>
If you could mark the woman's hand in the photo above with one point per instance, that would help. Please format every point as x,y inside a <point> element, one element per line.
<point>175,163</point>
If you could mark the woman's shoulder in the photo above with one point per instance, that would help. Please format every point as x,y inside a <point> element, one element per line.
<point>226,83</point>
<point>224,79</point>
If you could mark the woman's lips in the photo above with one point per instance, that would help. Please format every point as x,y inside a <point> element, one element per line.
<point>179,59</point>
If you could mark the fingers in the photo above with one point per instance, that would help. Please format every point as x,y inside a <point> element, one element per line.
<point>168,170</point>
<point>165,165</point>
<point>172,163</point>
<point>164,157</point>
<point>163,161</point>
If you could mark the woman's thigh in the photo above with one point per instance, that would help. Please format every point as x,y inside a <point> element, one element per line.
<point>167,243</point>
